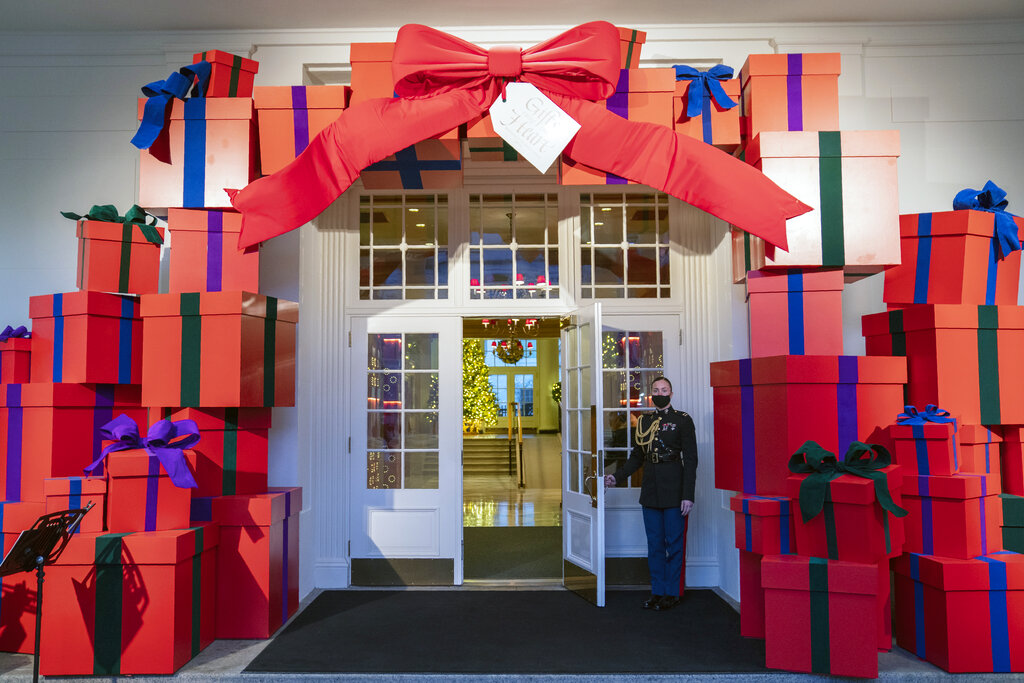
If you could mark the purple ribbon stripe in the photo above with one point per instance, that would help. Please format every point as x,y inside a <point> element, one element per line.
<point>152,492</point>
<point>214,251</point>
<point>14,442</point>
<point>794,91</point>
<point>747,420</point>
<point>846,402</point>
<point>284,563</point>
<point>618,104</point>
<point>300,117</point>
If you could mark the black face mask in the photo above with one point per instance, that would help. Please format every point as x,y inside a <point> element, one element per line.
<point>660,400</point>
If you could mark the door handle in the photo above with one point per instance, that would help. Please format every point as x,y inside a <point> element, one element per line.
<point>590,492</point>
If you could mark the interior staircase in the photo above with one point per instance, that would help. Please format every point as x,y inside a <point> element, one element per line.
<point>484,455</point>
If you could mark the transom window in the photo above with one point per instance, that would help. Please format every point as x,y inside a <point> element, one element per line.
<point>513,246</point>
<point>624,252</point>
<point>403,247</point>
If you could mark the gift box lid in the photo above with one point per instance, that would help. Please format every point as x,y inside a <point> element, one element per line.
<point>139,548</point>
<point>810,370</point>
<point>208,108</point>
<point>225,419</point>
<point>949,223</point>
<point>113,232</point>
<point>759,281</point>
<point>975,434</point>
<point>197,220</point>
<point>851,489</point>
<point>67,395</point>
<point>783,144</point>
<point>16,517</point>
<point>956,486</point>
<point>16,344</point>
<point>83,303</point>
<point>794,572</point>
<point>943,316</point>
<point>1011,433</point>
<point>314,96</point>
<point>136,463</point>
<point>61,486</point>
<point>219,303</point>
<point>646,81</point>
<point>371,52</point>
<point>951,574</point>
<point>928,431</point>
<point>811,64</point>
<point>761,506</point>
<point>253,509</point>
<point>1013,509</point>
<point>221,57</point>
<point>631,35</point>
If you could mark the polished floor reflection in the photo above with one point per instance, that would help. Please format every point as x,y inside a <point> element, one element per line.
<point>494,500</point>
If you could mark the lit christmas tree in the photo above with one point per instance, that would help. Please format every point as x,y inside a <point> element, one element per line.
<point>479,405</point>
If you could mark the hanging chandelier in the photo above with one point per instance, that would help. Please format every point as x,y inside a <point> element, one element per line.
<point>508,347</point>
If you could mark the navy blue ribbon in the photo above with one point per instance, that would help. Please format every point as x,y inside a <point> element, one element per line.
<point>992,199</point>
<point>19,332</point>
<point>705,84</point>
<point>162,93</point>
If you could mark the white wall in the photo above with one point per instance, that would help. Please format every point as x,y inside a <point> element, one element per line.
<point>67,112</point>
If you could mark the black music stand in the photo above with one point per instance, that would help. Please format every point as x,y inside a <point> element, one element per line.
<point>37,547</point>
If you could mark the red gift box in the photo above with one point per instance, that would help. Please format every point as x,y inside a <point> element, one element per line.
<point>954,516</point>
<point>795,313</point>
<point>230,75</point>
<point>849,177</point>
<point>141,496</point>
<point>963,358</point>
<point>963,615</point>
<point>715,125</point>
<point>979,453</point>
<point>960,249</point>
<point>18,599</point>
<point>204,253</point>
<point>766,408</point>
<point>122,604</point>
<point>764,524</point>
<point>929,448</point>
<point>86,337</point>
<point>212,147</point>
<point>217,349</point>
<point>117,257</point>
<point>1012,455</point>
<point>809,606</point>
<point>231,455</point>
<point>75,493</point>
<point>15,360</point>
<point>52,430</point>
<point>630,43</point>
<point>258,587</point>
<point>790,92</point>
<point>751,596</point>
<point>290,116</point>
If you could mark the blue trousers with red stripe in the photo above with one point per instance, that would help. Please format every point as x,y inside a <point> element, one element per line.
<point>666,549</point>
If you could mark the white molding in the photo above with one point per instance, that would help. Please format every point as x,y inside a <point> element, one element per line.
<point>331,573</point>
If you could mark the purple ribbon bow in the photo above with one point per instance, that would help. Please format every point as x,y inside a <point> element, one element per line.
<point>932,413</point>
<point>160,442</point>
<point>705,83</point>
<point>19,332</point>
<point>992,198</point>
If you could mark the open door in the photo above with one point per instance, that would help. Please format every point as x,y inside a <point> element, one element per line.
<point>582,456</point>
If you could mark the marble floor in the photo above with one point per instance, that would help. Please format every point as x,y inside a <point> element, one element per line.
<point>498,501</point>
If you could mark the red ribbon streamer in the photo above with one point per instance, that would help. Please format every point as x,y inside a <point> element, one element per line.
<point>443,81</point>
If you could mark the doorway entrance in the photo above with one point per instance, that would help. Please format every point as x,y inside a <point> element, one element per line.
<point>511,458</point>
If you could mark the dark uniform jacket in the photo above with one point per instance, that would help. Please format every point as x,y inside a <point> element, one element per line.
<point>668,483</point>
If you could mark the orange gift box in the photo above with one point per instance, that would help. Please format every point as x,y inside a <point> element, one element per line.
<point>212,147</point>
<point>117,257</point>
<point>230,75</point>
<point>290,116</point>
<point>714,125</point>
<point>979,453</point>
<point>86,337</point>
<point>141,496</point>
<point>218,349</point>
<point>954,516</point>
<point>258,585</point>
<point>231,455</point>
<point>15,360</point>
<point>371,71</point>
<point>630,43</point>
<point>52,430</point>
<point>18,600</point>
<point>849,178</point>
<point>963,358</point>
<point>795,312</point>
<point>950,257</point>
<point>434,164</point>
<point>790,92</point>
<point>204,253</point>
<point>75,493</point>
<point>123,604</point>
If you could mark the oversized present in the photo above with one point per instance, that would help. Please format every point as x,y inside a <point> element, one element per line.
<point>795,312</point>
<point>211,146</point>
<point>763,524</point>
<point>231,455</point>
<point>18,598</point>
<point>118,253</point>
<point>139,603</point>
<point>705,106</point>
<point>230,75</point>
<point>204,253</point>
<point>765,408</point>
<point>954,516</point>
<point>428,165</point>
<point>150,479</point>
<point>15,355</point>
<point>371,71</point>
<point>290,116</point>
<point>926,442</point>
<point>218,349</point>
<point>258,586</point>
<point>52,430</point>
<point>86,337</point>
<point>963,358</point>
<point>845,506</point>
<point>643,95</point>
<point>1012,455</point>
<point>810,604</point>
<point>630,43</point>
<point>963,615</point>
<point>75,493</point>
<point>751,595</point>
<point>790,92</point>
<point>849,177</point>
<point>979,453</point>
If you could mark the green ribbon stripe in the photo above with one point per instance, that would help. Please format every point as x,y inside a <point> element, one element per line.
<point>269,351</point>
<point>236,71</point>
<point>197,591</point>
<point>817,569</point>
<point>830,172</point>
<point>629,49</point>
<point>229,477</point>
<point>109,605</point>
<point>125,267</point>
<point>899,337</point>
<point>988,364</point>
<point>191,349</point>
<point>746,252</point>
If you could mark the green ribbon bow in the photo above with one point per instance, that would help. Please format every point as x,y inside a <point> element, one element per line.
<point>107,213</point>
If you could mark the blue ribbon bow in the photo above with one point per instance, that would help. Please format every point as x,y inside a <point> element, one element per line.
<point>160,442</point>
<point>932,413</point>
<point>19,332</point>
<point>162,93</point>
<point>705,83</point>
<point>992,198</point>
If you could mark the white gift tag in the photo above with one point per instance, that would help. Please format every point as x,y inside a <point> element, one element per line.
<point>534,125</point>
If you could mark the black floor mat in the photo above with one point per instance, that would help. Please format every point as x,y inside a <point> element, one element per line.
<point>512,552</point>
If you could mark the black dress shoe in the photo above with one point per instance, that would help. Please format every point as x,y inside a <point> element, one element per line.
<point>653,601</point>
<point>667,602</point>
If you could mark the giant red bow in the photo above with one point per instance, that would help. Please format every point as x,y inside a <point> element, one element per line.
<point>443,81</point>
